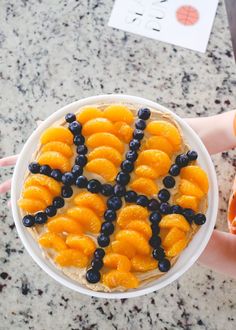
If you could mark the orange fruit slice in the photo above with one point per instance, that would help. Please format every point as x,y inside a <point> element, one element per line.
<point>173,236</point>
<point>86,217</point>
<point>156,159</point>
<point>144,186</point>
<point>43,180</point>
<point>83,243</point>
<point>119,112</point>
<point>105,139</point>
<point>55,160</point>
<point>103,167</point>
<point>59,133</point>
<point>31,205</point>
<point>97,125</point>
<point>146,172</point>
<point>91,201</point>
<point>176,248</point>
<point>189,188</point>
<point>116,278</point>
<point>175,220</point>
<point>196,175</point>
<point>124,248</point>
<point>190,202</point>
<point>62,224</point>
<point>88,113</point>
<point>135,239</point>
<point>71,257</point>
<point>38,192</point>
<point>52,241</point>
<point>61,147</point>
<point>130,213</point>
<point>143,263</point>
<point>159,143</point>
<point>140,226</point>
<point>106,152</point>
<point>124,131</point>
<point>118,261</point>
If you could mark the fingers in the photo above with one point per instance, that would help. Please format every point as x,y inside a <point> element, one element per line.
<point>8,161</point>
<point>5,186</point>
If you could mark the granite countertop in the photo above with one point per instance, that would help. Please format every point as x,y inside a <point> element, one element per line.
<point>55,52</point>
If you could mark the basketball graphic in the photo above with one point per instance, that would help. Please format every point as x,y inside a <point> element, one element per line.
<point>187,15</point>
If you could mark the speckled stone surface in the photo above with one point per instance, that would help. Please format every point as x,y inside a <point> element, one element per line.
<point>55,52</point>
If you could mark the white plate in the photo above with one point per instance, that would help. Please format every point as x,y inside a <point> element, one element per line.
<point>187,257</point>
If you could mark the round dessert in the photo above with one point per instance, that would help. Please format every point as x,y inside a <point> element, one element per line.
<point>113,195</point>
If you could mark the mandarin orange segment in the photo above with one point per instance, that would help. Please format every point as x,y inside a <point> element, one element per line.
<point>43,180</point>
<point>38,192</point>
<point>118,261</point>
<point>118,112</point>
<point>61,147</point>
<point>86,217</point>
<point>31,205</point>
<point>124,131</point>
<point>59,133</point>
<point>190,202</point>
<point>144,186</point>
<point>157,159</point>
<point>143,263</point>
<point>140,226</point>
<point>173,236</point>
<point>124,248</point>
<point>52,241</point>
<point>116,278</point>
<point>175,220</point>
<point>71,257</point>
<point>167,130</point>
<point>146,172</point>
<point>189,188</point>
<point>176,248</point>
<point>130,213</point>
<point>91,201</point>
<point>159,143</point>
<point>105,139</point>
<point>196,175</point>
<point>88,113</point>
<point>65,224</point>
<point>98,125</point>
<point>103,167</point>
<point>106,152</point>
<point>135,239</point>
<point>83,243</point>
<point>55,160</point>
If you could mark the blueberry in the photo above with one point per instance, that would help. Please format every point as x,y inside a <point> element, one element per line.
<point>81,160</point>
<point>155,217</point>
<point>176,209</point>
<point>40,218</point>
<point>131,196</point>
<point>127,166</point>
<point>81,181</point>
<point>182,160</point>
<point>107,189</point>
<point>174,170</point>
<point>153,205</point>
<point>123,178</point>
<point>119,190</point>
<point>114,203</point>
<point>138,134</point>
<point>110,215</point>
<point>97,264</point>
<point>144,113</point>
<point>192,155</point>
<point>99,253</point>
<point>58,202</point>
<point>165,208</point>
<point>134,144</point>
<point>34,167</point>
<point>75,127</point>
<point>188,214</point>
<point>140,124</point>
<point>28,220</point>
<point>103,240</point>
<point>66,191</point>
<point>76,170</point>
<point>51,211</point>
<point>164,195</point>
<point>200,219</point>
<point>131,155</point>
<point>94,186</point>
<point>93,276</point>
<point>68,178</point>
<point>164,265</point>
<point>45,169</point>
<point>142,200</point>
<point>155,241</point>
<point>158,254</point>
<point>56,174</point>
<point>78,140</point>
<point>82,149</point>
<point>169,181</point>
<point>155,228</point>
<point>69,117</point>
<point>107,228</point>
